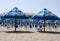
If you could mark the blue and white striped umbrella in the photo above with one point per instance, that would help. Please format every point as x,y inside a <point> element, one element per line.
<point>45,14</point>
<point>15,13</point>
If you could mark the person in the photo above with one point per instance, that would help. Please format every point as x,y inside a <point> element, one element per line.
<point>39,27</point>
<point>16,26</point>
<point>55,25</point>
<point>30,26</point>
<point>36,25</point>
<point>25,26</point>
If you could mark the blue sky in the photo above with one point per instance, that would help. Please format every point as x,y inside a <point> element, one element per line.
<point>31,6</point>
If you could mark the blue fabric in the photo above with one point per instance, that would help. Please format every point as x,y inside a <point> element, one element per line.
<point>15,13</point>
<point>15,16</point>
<point>45,15</point>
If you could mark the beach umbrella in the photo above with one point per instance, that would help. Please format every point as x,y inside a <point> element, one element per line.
<point>15,13</point>
<point>45,15</point>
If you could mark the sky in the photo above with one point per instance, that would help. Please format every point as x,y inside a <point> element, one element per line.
<point>30,6</point>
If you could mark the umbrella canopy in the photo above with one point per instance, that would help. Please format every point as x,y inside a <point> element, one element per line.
<point>15,9</point>
<point>15,16</point>
<point>45,14</point>
<point>15,13</point>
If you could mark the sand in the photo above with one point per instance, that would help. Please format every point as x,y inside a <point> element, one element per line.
<point>28,35</point>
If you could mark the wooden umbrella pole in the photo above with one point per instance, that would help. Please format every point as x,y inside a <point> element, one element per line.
<point>44,25</point>
<point>15,24</point>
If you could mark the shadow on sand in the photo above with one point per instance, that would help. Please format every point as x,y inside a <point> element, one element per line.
<point>19,32</point>
<point>49,32</point>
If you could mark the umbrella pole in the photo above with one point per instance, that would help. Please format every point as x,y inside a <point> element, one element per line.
<point>44,25</point>
<point>15,28</point>
<point>15,24</point>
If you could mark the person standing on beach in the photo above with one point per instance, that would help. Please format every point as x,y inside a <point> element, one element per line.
<point>36,25</point>
<point>39,27</point>
<point>30,25</point>
<point>55,25</point>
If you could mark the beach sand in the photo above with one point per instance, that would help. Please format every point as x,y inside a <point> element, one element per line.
<point>28,35</point>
